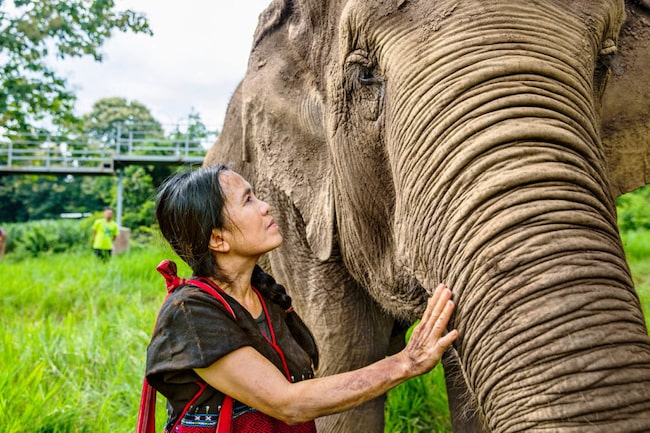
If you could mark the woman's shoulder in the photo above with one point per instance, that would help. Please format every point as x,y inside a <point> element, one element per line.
<point>189,298</point>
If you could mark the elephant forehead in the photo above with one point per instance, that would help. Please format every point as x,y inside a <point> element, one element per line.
<point>424,21</point>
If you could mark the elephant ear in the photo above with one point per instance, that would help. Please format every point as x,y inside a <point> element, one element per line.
<point>283,128</point>
<point>626,105</point>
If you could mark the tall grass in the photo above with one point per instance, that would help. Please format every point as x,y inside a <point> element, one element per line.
<point>637,250</point>
<point>74,333</point>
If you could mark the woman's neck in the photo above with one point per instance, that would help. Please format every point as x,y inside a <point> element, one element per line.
<point>241,290</point>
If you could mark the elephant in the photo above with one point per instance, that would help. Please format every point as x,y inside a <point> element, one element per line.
<point>479,143</point>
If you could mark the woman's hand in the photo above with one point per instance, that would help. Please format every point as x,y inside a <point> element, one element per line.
<point>247,376</point>
<point>428,340</point>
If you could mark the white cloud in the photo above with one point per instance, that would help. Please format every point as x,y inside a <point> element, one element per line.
<point>195,59</point>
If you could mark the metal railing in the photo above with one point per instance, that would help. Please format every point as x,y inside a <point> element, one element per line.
<point>56,155</point>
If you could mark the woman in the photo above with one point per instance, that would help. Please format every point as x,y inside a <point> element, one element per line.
<point>258,354</point>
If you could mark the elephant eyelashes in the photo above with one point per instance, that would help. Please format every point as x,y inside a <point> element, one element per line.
<point>367,77</point>
<point>362,68</point>
<point>364,87</point>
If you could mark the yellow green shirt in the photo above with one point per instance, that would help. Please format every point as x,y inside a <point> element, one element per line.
<point>105,232</point>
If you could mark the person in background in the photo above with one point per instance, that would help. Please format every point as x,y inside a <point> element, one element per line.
<point>254,350</point>
<point>105,231</point>
<point>3,240</point>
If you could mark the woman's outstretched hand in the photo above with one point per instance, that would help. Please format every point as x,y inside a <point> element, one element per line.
<point>247,376</point>
<point>429,338</point>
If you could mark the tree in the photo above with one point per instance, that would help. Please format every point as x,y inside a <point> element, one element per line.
<point>131,122</point>
<point>196,131</point>
<point>31,197</point>
<point>130,118</point>
<point>31,91</point>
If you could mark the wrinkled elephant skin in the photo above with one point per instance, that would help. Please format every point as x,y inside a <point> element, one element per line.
<point>406,143</point>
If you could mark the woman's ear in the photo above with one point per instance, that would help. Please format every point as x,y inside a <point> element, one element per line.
<point>217,242</point>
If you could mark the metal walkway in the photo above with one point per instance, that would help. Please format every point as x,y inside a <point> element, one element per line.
<point>63,156</point>
<point>59,157</point>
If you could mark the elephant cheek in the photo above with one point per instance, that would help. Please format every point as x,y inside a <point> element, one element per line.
<point>364,190</point>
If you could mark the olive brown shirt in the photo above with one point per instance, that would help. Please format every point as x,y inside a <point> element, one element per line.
<point>194,329</point>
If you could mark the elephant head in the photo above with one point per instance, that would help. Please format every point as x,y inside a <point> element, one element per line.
<point>409,142</point>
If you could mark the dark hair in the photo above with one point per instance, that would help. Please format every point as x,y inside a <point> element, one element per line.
<point>189,206</point>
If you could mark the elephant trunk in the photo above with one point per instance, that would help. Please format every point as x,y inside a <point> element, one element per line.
<point>518,220</point>
<point>547,313</point>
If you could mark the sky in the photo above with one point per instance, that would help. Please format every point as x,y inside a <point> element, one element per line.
<point>192,63</point>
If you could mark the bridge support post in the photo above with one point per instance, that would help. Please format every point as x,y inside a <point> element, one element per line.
<point>120,196</point>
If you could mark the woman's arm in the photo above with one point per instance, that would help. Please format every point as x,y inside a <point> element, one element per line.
<point>247,376</point>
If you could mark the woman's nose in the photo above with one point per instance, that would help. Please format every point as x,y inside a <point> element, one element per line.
<point>265,208</point>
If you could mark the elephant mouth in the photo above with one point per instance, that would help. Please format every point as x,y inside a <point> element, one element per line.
<point>408,299</point>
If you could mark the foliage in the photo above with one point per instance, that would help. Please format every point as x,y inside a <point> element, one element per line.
<point>196,130</point>
<point>46,237</point>
<point>113,119</point>
<point>636,244</point>
<point>130,126</point>
<point>30,197</point>
<point>30,31</point>
<point>634,210</point>
<point>419,405</point>
<point>36,238</point>
<point>11,196</point>
<point>640,267</point>
<point>140,217</point>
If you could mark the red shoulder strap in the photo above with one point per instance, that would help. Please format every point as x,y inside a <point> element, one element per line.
<point>216,293</point>
<point>147,411</point>
<point>211,290</point>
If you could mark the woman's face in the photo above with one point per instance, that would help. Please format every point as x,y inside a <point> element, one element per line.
<point>250,230</point>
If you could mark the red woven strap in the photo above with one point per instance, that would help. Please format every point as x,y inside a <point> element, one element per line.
<point>256,422</point>
<point>147,412</point>
<point>224,424</point>
<point>168,270</point>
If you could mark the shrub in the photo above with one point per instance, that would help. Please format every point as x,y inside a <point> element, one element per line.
<point>33,238</point>
<point>634,210</point>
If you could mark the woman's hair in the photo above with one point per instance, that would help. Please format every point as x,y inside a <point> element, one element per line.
<point>266,284</point>
<point>189,206</point>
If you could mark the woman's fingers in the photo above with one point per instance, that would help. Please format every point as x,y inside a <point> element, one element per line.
<point>429,340</point>
<point>437,314</point>
<point>433,309</point>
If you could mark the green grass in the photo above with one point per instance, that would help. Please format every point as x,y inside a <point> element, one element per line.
<point>74,333</point>
<point>637,250</point>
<point>419,405</point>
<point>73,337</point>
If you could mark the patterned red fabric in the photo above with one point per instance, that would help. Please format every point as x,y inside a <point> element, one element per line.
<point>186,429</point>
<point>257,422</point>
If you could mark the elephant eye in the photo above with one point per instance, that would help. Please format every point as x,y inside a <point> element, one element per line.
<point>364,86</point>
<point>362,68</point>
<point>606,59</point>
<point>366,76</point>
